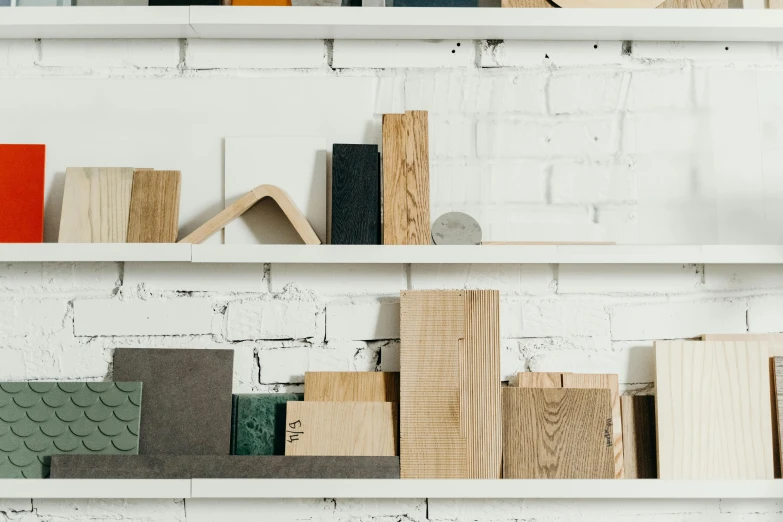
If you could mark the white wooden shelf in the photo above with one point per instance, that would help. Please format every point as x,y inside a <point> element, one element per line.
<point>94,488</point>
<point>724,25</point>
<point>93,252</point>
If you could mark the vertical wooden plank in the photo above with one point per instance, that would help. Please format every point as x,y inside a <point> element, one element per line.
<point>417,161</point>
<point>356,195</point>
<point>609,382</point>
<point>341,429</point>
<point>557,433</point>
<point>395,207</point>
<point>539,380</point>
<point>639,458</point>
<point>96,205</point>
<point>154,206</point>
<point>777,364</point>
<point>352,386</point>
<point>480,386</point>
<point>22,193</point>
<point>713,412</point>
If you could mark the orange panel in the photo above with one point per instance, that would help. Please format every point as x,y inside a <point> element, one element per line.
<point>22,193</point>
<point>262,2</point>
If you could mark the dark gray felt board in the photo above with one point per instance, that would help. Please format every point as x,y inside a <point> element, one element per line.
<point>187,398</point>
<point>185,467</point>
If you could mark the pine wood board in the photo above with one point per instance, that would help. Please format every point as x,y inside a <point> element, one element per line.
<point>352,386</point>
<point>557,433</point>
<point>609,382</point>
<point>22,173</point>
<point>639,457</point>
<point>96,205</point>
<point>154,206</point>
<point>539,380</point>
<point>713,411</point>
<point>367,429</point>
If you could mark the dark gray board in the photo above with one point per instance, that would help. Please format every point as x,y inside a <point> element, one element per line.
<point>187,398</point>
<point>356,195</point>
<point>233,466</point>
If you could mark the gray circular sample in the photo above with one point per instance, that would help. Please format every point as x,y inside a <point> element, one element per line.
<point>456,228</point>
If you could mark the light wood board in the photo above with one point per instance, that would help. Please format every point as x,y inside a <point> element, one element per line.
<point>777,364</point>
<point>639,458</point>
<point>695,4</point>
<point>341,429</point>
<point>154,206</point>
<point>609,382</point>
<point>557,433</point>
<point>539,380</point>
<point>406,179</point>
<point>626,4</point>
<point>713,411</point>
<point>526,3</point>
<point>776,4</point>
<point>352,386</point>
<point>96,205</point>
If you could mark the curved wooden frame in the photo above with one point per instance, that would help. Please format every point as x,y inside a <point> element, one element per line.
<point>243,204</point>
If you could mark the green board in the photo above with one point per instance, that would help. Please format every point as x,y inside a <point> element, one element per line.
<point>258,423</point>
<point>41,419</point>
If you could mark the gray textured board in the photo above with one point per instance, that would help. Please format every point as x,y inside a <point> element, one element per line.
<point>187,398</point>
<point>234,466</point>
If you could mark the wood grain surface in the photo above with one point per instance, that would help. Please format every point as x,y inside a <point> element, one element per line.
<point>713,411</point>
<point>526,3</point>
<point>627,4</point>
<point>777,364</point>
<point>695,4</point>
<point>341,429</point>
<point>96,205</point>
<point>22,173</point>
<point>639,457</point>
<point>154,206</point>
<point>539,380</point>
<point>557,433</point>
<point>356,195</point>
<point>609,382</point>
<point>395,204</point>
<point>352,386</point>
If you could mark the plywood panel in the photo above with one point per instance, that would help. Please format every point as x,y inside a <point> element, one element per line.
<point>355,195</point>
<point>21,191</point>
<point>352,386</point>
<point>639,457</point>
<point>609,382</point>
<point>341,429</point>
<point>539,380</point>
<point>557,433</point>
<point>154,206</point>
<point>713,410</point>
<point>96,205</point>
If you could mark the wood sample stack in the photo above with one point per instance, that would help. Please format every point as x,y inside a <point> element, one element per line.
<point>120,205</point>
<point>345,414</point>
<point>450,411</point>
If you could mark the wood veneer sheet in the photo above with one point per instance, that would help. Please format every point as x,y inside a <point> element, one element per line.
<point>341,429</point>
<point>296,165</point>
<point>639,457</point>
<point>22,193</point>
<point>557,433</point>
<point>713,410</point>
<point>352,386</point>
<point>154,206</point>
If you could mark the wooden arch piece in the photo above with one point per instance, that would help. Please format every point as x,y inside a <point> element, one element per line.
<point>244,203</point>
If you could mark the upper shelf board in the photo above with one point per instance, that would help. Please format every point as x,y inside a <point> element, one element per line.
<point>716,25</point>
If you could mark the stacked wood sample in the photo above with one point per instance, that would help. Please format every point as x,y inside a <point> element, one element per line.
<point>406,179</point>
<point>639,458</point>
<point>22,193</point>
<point>450,411</point>
<point>352,386</point>
<point>356,195</point>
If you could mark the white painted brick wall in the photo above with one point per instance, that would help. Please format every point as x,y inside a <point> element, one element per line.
<point>513,128</point>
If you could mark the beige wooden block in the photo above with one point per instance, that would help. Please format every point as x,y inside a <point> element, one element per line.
<point>539,380</point>
<point>352,386</point>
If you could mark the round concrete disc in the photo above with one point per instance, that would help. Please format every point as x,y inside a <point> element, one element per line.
<point>456,228</point>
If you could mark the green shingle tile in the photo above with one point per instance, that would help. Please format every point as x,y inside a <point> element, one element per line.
<point>258,424</point>
<point>41,419</point>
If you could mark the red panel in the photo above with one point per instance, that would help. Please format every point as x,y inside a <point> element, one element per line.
<point>22,193</point>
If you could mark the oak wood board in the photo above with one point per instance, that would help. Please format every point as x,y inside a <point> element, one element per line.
<point>639,456</point>
<point>352,386</point>
<point>539,380</point>
<point>154,206</point>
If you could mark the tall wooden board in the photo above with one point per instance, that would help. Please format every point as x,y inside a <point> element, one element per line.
<point>96,205</point>
<point>639,458</point>
<point>557,433</point>
<point>22,193</point>
<point>356,195</point>
<point>539,380</point>
<point>154,206</point>
<point>609,382</point>
<point>713,411</point>
<point>341,429</point>
<point>777,364</point>
<point>352,386</point>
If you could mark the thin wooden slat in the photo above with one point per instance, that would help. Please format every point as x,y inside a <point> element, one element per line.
<point>609,382</point>
<point>367,429</point>
<point>96,205</point>
<point>352,386</point>
<point>395,206</point>
<point>154,206</point>
<point>356,195</point>
<point>639,458</point>
<point>557,433</point>
<point>713,412</point>
<point>777,364</point>
<point>539,380</point>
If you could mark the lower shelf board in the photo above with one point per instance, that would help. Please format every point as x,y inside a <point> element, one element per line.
<point>389,488</point>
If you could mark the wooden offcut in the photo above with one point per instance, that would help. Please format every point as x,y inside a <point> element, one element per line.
<point>356,195</point>
<point>406,179</point>
<point>341,429</point>
<point>450,423</point>
<point>352,386</point>
<point>713,410</point>
<point>557,433</point>
<point>154,206</point>
<point>539,380</point>
<point>639,458</point>
<point>609,382</point>
<point>96,205</point>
